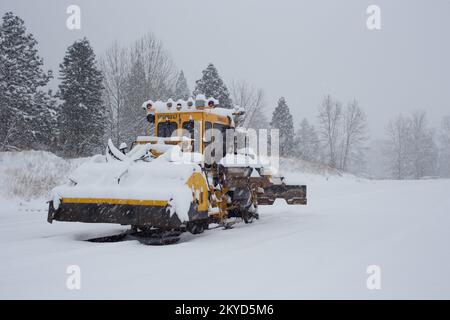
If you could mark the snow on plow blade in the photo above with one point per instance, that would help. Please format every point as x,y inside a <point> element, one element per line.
<point>155,193</point>
<point>292,194</point>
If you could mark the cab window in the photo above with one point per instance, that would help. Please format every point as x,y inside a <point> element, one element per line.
<point>192,129</point>
<point>223,129</point>
<point>208,126</point>
<point>189,126</point>
<point>166,128</point>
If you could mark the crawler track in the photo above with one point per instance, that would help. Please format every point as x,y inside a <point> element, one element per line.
<point>151,237</point>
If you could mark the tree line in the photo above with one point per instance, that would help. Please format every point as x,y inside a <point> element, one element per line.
<point>96,98</point>
<point>70,121</point>
<point>416,150</point>
<point>412,149</point>
<point>100,98</point>
<point>338,139</point>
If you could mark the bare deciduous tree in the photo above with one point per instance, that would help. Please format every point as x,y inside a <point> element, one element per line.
<point>133,75</point>
<point>160,71</point>
<point>423,148</point>
<point>329,117</point>
<point>252,100</point>
<point>354,134</point>
<point>444,148</point>
<point>398,131</point>
<point>115,68</point>
<point>411,149</point>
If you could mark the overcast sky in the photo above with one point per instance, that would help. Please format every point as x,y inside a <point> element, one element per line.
<point>297,49</point>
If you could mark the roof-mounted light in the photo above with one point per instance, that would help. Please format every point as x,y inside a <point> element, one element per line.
<point>200,101</point>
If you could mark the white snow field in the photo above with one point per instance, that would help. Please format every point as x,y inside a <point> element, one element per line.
<point>321,250</point>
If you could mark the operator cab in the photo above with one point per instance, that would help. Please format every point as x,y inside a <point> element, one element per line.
<point>189,119</point>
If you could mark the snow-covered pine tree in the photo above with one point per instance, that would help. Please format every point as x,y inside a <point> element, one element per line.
<point>82,120</point>
<point>211,85</point>
<point>307,142</point>
<point>282,120</point>
<point>46,130</point>
<point>181,88</point>
<point>24,106</point>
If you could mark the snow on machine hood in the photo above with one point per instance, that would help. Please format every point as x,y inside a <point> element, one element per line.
<point>163,179</point>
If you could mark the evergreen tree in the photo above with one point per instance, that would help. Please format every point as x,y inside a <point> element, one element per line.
<point>282,120</point>
<point>82,119</point>
<point>45,137</point>
<point>307,142</point>
<point>181,88</point>
<point>24,106</point>
<point>211,85</point>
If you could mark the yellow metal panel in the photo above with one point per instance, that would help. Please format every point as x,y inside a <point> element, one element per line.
<point>216,118</point>
<point>198,182</point>
<point>186,116</point>
<point>160,203</point>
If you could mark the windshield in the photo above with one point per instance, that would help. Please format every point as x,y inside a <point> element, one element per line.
<point>193,130</point>
<point>166,128</point>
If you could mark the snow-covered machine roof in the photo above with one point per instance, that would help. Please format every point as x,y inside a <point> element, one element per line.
<point>200,104</point>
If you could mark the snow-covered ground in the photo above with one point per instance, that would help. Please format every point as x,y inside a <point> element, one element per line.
<point>317,251</point>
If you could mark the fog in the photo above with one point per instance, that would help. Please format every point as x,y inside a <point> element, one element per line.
<point>297,49</point>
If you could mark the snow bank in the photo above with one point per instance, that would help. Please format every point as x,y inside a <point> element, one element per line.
<point>31,174</point>
<point>306,167</point>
